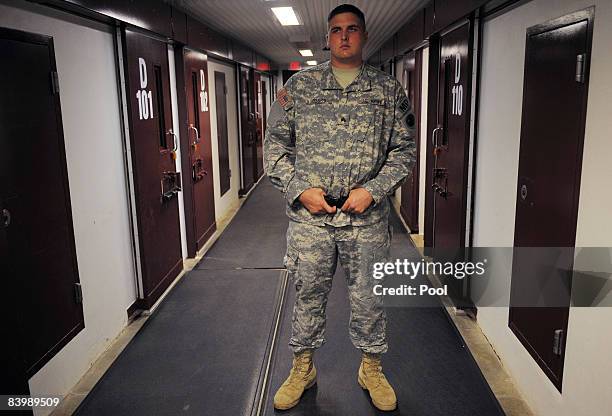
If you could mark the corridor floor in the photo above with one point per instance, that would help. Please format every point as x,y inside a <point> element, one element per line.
<point>217,345</point>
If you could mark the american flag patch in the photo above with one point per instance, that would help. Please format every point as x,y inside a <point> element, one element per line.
<point>284,99</point>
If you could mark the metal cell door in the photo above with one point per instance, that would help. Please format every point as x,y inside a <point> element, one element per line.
<point>247,122</point>
<point>550,162</point>
<point>200,147</point>
<point>222,139</point>
<point>260,114</point>
<point>411,81</point>
<point>156,181</point>
<point>450,140</point>
<point>36,230</point>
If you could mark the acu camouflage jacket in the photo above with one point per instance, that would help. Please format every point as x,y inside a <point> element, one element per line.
<point>320,135</point>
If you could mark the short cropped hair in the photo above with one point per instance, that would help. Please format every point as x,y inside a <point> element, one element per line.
<point>348,8</point>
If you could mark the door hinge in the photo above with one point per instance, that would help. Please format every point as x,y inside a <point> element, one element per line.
<point>229,175</point>
<point>558,342</point>
<point>55,88</point>
<point>78,293</point>
<point>580,58</point>
<point>224,89</point>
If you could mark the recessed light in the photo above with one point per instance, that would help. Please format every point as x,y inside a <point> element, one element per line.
<point>311,62</point>
<point>286,16</point>
<point>306,52</point>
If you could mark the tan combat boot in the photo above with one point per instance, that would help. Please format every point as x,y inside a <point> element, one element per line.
<point>371,378</point>
<point>302,376</point>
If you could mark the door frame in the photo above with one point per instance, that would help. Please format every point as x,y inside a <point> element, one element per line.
<point>47,41</point>
<point>410,213</point>
<point>588,15</point>
<point>143,301</point>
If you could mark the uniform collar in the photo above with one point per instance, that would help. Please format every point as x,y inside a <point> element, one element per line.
<point>361,83</point>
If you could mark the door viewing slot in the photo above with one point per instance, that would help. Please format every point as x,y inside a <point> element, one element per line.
<point>196,108</point>
<point>163,143</point>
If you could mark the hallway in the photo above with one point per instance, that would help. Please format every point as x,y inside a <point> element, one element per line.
<point>205,350</point>
<point>142,242</point>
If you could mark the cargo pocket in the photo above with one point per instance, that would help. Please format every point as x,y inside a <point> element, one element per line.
<point>291,260</point>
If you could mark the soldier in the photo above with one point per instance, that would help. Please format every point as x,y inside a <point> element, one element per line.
<point>339,141</point>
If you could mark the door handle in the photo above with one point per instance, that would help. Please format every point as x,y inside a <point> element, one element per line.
<point>5,218</point>
<point>175,144</point>
<point>434,136</point>
<point>197,133</point>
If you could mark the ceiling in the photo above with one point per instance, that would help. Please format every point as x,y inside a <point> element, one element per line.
<point>253,23</point>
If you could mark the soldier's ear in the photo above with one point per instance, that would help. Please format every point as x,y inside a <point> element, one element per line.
<point>365,37</point>
<point>327,40</point>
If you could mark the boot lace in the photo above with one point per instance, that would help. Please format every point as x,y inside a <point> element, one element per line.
<point>301,365</point>
<point>373,370</point>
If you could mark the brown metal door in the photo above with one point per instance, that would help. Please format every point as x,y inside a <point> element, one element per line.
<point>259,126</point>
<point>200,147</point>
<point>411,81</point>
<point>222,140</point>
<point>153,157</point>
<point>41,272</point>
<point>247,122</point>
<point>550,161</point>
<point>450,140</point>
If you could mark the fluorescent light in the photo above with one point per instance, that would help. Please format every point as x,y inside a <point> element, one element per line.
<point>286,16</point>
<point>306,52</point>
<point>311,62</point>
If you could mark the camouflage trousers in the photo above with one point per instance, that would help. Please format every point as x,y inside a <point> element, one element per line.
<point>312,256</point>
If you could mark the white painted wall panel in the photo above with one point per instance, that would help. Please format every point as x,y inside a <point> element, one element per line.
<point>587,386</point>
<point>223,204</point>
<point>423,150</point>
<point>92,132</point>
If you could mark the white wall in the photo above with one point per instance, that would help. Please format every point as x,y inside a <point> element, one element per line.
<point>587,384</point>
<point>224,203</point>
<point>176,129</point>
<point>90,111</point>
<point>268,88</point>
<point>423,150</point>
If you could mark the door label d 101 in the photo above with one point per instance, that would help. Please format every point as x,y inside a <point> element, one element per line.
<point>144,96</point>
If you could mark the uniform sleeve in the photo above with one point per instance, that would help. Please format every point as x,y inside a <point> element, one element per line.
<point>401,152</point>
<point>279,148</point>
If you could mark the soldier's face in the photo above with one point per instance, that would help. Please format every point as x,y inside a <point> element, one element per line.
<point>346,37</point>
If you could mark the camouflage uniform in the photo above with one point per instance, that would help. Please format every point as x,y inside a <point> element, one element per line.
<point>320,135</point>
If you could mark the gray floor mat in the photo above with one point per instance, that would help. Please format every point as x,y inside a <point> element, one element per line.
<point>430,368</point>
<point>256,236</point>
<point>201,353</point>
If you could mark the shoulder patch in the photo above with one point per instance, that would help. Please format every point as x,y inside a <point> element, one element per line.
<point>406,115</point>
<point>404,105</point>
<point>284,99</point>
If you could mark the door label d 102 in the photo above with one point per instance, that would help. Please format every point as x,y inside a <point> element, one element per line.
<point>203,92</point>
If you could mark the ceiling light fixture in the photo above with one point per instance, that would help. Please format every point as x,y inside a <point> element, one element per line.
<point>306,52</point>
<point>311,62</point>
<point>286,16</point>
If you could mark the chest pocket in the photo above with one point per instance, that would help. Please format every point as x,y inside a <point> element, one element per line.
<point>314,121</point>
<point>367,117</point>
<point>369,144</point>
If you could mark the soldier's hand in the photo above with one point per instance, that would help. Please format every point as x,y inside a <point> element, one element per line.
<point>358,201</point>
<point>314,201</point>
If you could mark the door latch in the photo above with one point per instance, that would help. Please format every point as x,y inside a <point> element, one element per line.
<point>558,342</point>
<point>5,218</point>
<point>170,185</point>
<point>580,68</point>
